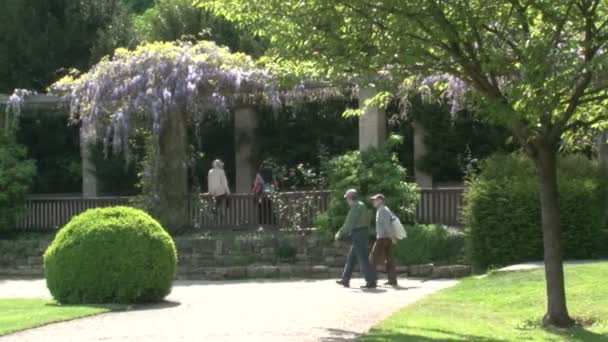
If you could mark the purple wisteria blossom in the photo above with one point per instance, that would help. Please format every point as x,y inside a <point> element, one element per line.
<point>15,101</point>
<point>155,81</point>
<point>455,90</point>
<point>158,80</point>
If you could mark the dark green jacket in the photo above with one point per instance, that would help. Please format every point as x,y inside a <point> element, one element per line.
<point>358,217</point>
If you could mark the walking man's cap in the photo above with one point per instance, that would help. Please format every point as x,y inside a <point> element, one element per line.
<point>378,196</point>
<point>350,193</point>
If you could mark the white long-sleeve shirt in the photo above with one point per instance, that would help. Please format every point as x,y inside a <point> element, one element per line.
<point>217,182</point>
<point>383,223</point>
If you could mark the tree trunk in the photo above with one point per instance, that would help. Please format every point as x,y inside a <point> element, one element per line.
<point>172,173</point>
<point>557,311</point>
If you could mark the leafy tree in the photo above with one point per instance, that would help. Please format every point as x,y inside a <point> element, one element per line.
<point>534,66</point>
<point>171,20</point>
<point>41,38</point>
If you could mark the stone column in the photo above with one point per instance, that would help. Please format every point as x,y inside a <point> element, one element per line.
<point>89,177</point>
<point>372,123</point>
<point>245,123</point>
<point>423,179</point>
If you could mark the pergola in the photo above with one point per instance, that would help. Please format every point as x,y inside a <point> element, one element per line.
<point>372,133</point>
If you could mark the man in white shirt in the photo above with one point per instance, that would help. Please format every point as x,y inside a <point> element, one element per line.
<point>217,184</point>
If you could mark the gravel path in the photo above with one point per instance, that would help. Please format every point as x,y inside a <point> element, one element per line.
<point>266,311</point>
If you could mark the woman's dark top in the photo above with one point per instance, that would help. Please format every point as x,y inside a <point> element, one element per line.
<point>266,175</point>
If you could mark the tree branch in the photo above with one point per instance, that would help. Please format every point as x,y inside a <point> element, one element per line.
<point>582,82</point>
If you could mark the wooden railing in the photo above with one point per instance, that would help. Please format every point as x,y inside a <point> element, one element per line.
<point>285,209</point>
<point>440,206</point>
<point>44,213</point>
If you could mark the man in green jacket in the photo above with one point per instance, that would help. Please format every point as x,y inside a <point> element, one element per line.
<point>356,227</point>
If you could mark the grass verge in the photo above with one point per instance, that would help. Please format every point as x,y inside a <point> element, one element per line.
<point>503,306</point>
<point>21,314</point>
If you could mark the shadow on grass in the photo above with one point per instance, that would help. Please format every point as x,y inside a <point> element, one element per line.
<point>578,334</point>
<point>339,335</point>
<point>575,334</point>
<point>403,336</point>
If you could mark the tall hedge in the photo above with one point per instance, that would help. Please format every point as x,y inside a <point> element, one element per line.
<point>502,212</point>
<point>376,170</point>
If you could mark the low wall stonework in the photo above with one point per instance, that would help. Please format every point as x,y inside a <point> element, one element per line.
<point>234,255</point>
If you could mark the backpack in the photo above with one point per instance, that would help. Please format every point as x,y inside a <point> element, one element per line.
<point>267,188</point>
<point>262,187</point>
<point>399,232</point>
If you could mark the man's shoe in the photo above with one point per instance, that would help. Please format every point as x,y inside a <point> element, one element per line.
<point>343,283</point>
<point>391,283</point>
<point>369,286</point>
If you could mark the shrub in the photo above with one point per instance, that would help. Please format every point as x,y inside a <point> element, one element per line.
<point>373,171</point>
<point>16,178</point>
<point>502,210</point>
<point>111,255</point>
<point>430,244</point>
<point>285,250</point>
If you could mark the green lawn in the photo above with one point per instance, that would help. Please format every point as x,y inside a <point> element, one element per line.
<point>502,307</point>
<point>21,314</point>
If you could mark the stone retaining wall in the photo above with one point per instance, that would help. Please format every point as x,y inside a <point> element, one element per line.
<point>235,255</point>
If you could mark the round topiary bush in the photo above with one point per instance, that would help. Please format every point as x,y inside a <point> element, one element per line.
<point>111,255</point>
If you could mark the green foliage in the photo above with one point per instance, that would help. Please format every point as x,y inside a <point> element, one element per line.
<point>40,39</point>
<point>299,140</point>
<point>16,177</point>
<point>57,155</point>
<point>481,42</point>
<point>376,170</point>
<point>286,251</point>
<point>453,141</point>
<point>502,212</point>
<point>430,244</point>
<point>171,20</point>
<point>115,175</point>
<point>111,255</point>
<point>138,6</point>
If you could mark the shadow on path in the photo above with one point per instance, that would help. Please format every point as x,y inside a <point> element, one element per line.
<point>165,304</point>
